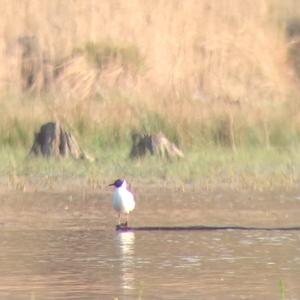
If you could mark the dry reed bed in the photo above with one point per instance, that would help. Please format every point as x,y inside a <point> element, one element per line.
<point>203,70</point>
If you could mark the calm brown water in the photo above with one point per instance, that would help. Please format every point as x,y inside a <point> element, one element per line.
<point>62,245</point>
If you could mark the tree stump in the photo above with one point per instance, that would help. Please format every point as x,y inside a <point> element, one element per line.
<point>54,141</point>
<point>37,71</point>
<point>153,144</point>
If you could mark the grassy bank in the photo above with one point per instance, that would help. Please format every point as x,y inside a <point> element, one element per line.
<point>235,148</point>
<point>207,167</point>
<point>220,79</point>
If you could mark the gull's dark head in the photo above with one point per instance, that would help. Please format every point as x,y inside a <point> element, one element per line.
<point>118,183</point>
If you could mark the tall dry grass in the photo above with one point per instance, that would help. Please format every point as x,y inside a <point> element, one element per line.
<point>207,70</point>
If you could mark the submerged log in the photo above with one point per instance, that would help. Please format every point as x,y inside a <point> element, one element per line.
<point>54,141</point>
<point>153,144</point>
<point>123,228</point>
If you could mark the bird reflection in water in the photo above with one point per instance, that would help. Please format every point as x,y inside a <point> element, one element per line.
<point>126,244</point>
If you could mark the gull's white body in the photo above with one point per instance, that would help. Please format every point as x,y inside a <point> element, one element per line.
<point>123,200</point>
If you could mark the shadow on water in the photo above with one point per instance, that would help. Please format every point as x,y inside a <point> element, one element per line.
<point>204,228</point>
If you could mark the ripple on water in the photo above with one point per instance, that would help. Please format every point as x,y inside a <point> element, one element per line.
<point>82,257</point>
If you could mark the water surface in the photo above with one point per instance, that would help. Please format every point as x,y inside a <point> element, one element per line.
<point>62,245</point>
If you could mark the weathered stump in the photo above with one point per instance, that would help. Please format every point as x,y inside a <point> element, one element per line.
<point>153,144</point>
<point>54,141</point>
<point>37,71</point>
